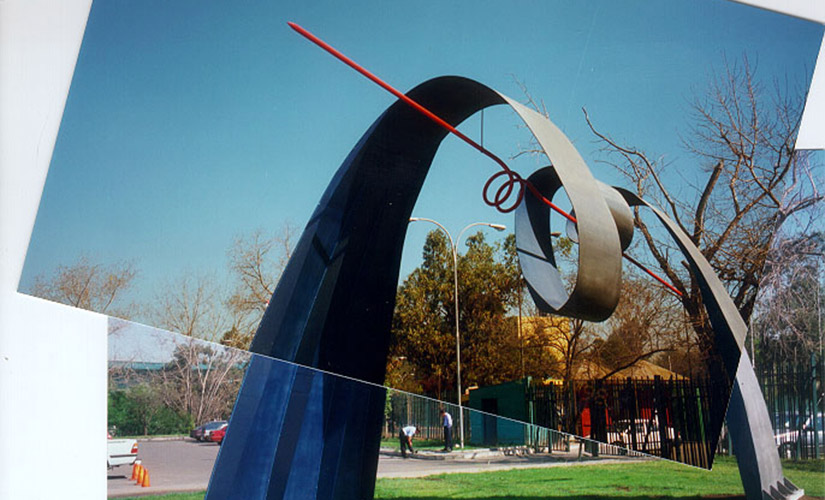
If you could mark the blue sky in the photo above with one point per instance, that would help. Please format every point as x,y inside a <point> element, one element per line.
<point>191,122</point>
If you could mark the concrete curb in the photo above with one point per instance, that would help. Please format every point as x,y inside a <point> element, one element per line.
<point>472,454</point>
<point>571,457</point>
<point>420,455</point>
<point>162,438</point>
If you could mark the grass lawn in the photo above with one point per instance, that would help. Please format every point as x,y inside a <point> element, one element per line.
<point>639,481</point>
<point>655,479</point>
<point>171,496</point>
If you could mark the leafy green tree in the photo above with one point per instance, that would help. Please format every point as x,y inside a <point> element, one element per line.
<point>401,375</point>
<point>487,289</point>
<point>138,410</point>
<point>118,415</point>
<point>145,405</point>
<point>424,322</point>
<point>423,329</point>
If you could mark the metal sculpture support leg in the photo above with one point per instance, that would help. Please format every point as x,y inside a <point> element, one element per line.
<point>751,432</point>
<point>296,421</point>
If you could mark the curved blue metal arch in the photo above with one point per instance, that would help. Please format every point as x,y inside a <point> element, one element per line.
<point>317,436</point>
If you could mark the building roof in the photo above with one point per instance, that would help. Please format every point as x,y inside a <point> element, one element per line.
<point>641,370</point>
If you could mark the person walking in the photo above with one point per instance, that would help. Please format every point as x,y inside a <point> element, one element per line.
<point>405,436</point>
<point>447,422</point>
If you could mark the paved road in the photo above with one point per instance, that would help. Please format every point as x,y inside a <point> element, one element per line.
<point>185,465</point>
<point>180,465</point>
<point>397,467</point>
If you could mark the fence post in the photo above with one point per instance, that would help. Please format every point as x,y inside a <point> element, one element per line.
<point>814,406</point>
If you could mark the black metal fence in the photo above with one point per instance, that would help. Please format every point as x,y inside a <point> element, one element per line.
<point>675,419</point>
<point>678,419</point>
<point>423,412</point>
<point>794,395</point>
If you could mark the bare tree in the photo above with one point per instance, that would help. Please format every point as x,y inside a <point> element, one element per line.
<point>191,306</point>
<point>89,285</point>
<point>787,322</point>
<point>256,262</point>
<point>648,321</point>
<point>202,379</point>
<point>753,182</point>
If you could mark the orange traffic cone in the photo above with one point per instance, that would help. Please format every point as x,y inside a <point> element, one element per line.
<point>145,482</point>
<point>140,473</point>
<point>134,470</point>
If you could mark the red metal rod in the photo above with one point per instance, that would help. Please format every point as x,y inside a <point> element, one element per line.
<point>652,274</point>
<point>514,176</point>
<point>429,114</point>
<point>426,112</point>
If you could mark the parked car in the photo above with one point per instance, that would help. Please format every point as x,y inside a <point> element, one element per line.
<point>795,439</point>
<point>201,433</point>
<point>217,435</point>
<point>648,435</point>
<point>120,451</point>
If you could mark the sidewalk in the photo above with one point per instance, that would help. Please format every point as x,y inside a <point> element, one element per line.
<point>428,462</point>
<point>575,454</point>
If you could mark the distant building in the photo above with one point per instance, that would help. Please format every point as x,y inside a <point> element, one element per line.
<point>125,374</point>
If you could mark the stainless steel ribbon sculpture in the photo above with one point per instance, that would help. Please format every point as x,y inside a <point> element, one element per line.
<point>302,433</point>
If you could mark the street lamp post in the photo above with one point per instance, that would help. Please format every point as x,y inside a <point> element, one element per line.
<point>454,248</point>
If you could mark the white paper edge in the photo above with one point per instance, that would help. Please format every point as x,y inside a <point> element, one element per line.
<point>53,357</point>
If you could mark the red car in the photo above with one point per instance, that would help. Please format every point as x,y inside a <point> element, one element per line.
<point>202,433</point>
<point>217,435</point>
